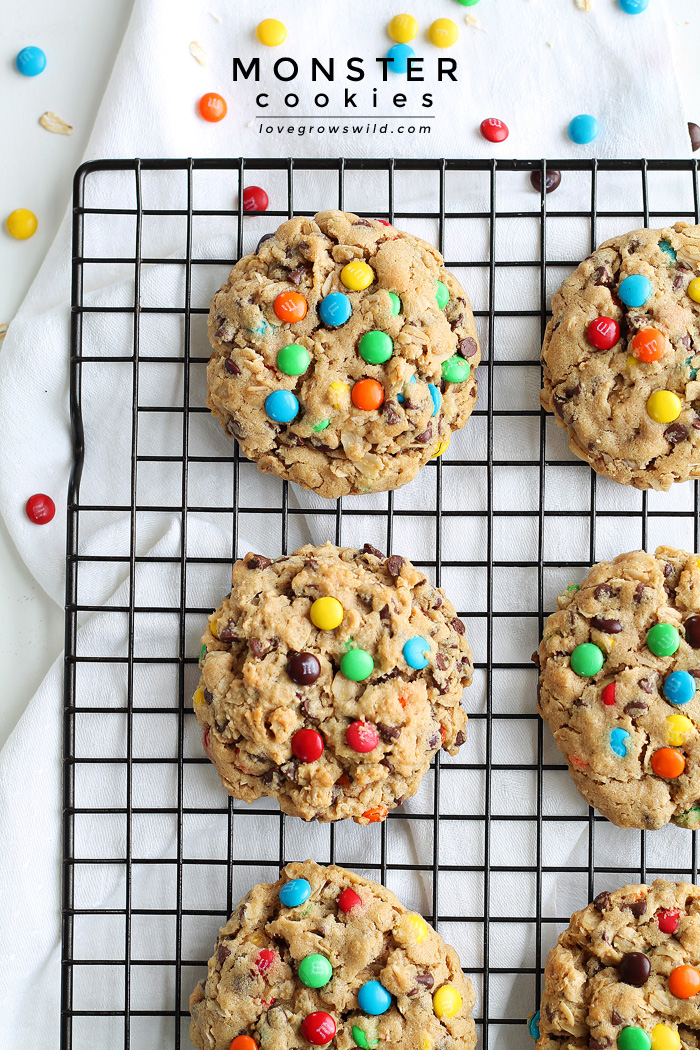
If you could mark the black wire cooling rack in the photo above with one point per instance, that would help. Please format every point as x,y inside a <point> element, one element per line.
<point>500,848</point>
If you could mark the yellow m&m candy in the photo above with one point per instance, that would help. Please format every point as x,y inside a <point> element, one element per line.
<point>664,406</point>
<point>663,1037</point>
<point>678,728</point>
<point>326,614</point>
<point>21,224</point>
<point>442,447</point>
<point>338,392</point>
<point>419,927</point>
<point>402,28</point>
<point>198,697</point>
<point>447,1001</point>
<point>443,32</point>
<point>357,275</point>
<point>213,627</point>
<point>694,289</point>
<point>271,32</point>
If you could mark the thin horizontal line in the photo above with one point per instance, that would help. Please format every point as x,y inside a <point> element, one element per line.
<point>345,116</point>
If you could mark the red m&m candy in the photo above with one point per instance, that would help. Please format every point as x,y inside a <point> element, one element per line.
<point>362,737</point>
<point>307,745</point>
<point>348,900</point>
<point>318,1028</point>
<point>384,222</point>
<point>608,695</point>
<point>603,333</point>
<point>212,107</point>
<point>668,919</point>
<point>265,959</point>
<point>494,129</point>
<point>40,509</point>
<point>255,199</point>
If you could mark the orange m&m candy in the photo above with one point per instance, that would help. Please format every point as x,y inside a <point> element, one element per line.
<point>649,345</point>
<point>684,982</point>
<point>376,814</point>
<point>213,108</point>
<point>290,306</point>
<point>243,1042</point>
<point>367,394</point>
<point>668,763</point>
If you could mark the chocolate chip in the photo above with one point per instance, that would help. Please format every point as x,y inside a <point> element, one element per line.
<point>599,1044</point>
<point>457,625</point>
<point>394,564</point>
<point>441,662</point>
<point>552,180</point>
<point>676,433</point>
<point>391,416</point>
<point>387,763</point>
<point>615,1017</point>
<point>257,561</point>
<point>290,770</point>
<point>647,684</point>
<point>606,626</point>
<point>426,436</point>
<point>208,697</point>
<point>384,613</point>
<point>603,277</point>
<point>426,980</point>
<point>685,340</point>
<point>231,367</point>
<point>311,563</point>
<point>228,633</point>
<point>257,648</point>
<point>603,590</point>
<point>221,726</point>
<point>580,702</point>
<point>635,707</point>
<point>361,222</point>
<point>694,132</point>
<point>638,908</point>
<point>295,276</point>
<point>696,423</point>
<point>668,569</point>
<point>388,733</point>
<point>467,347</point>
<point>369,549</point>
<point>677,281</point>
<point>267,778</point>
<point>638,592</point>
<point>222,953</point>
<point>601,901</point>
<point>434,741</point>
<point>460,738</point>
<point>236,429</point>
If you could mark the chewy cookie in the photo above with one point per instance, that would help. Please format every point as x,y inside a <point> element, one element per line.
<point>624,975</point>
<point>323,955</point>
<point>621,355</point>
<point>344,354</point>
<point>619,665</point>
<point>329,680</point>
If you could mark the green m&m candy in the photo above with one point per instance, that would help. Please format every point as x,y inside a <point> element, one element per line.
<point>663,639</point>
<point>357,665</point>
<point>376,347</point>
<point>395,309</point>
<point>587,660</point>
<point>362,1039</point>
<point>633,1038</point>
<point>315,971</point>
<point>442,295</point>
<point>293,360</point>
<point>322,426</point>
<point>455,370</point>
<point>202,654</point>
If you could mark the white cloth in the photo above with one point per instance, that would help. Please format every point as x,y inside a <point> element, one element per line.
<point>614,66</point>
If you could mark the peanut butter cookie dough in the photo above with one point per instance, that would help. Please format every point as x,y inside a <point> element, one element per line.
<point>324,955</point>
<point>344,354</point>
<point>619,665</point>
<point>621,356</point>
<point>329,680</point>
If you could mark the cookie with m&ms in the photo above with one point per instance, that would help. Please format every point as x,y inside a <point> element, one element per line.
<point>329,680</point>
<point>621,356</point>
<point>324,956</point>
<point>625,974</point>
<point>619,670</point>
<point>344,354</point>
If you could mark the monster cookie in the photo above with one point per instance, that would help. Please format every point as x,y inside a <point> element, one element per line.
<point>619,664</point>
<point>329,680</point>
<point>621,356</point>
<point>325,956</point>
<point>344,354</point>
<point>624,975</point>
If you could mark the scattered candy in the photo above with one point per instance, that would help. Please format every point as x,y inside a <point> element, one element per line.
<point>608,695</point>
<point>362,1039</point>
<point>635,290</point>
<point>436,396</point>
<point>414,652</point>
<point>293,360</point>
<point>40,509</point>
<point>447,1002</point>
<point>21,224</point>
<point>315,971</point>
<point>694,132</point>
<point>376,347</point>
<point>368,395</point>
<point>335,309</point>
<point>271,32</point>
<point>399,55</point>
<point>307,745</point>
<point>243,1042</point>
<point>668,919</point>
<point>212,107</point>
<point>455,370</point>
<point>295,892</point>
<point>361,736</point>
<point>603,333</point>
<point>649,345</point>
<point>494,129</point>
<point>684,982</point>
<point>357,665</point>
<point>678,727</point>
<point>348,900</point>
<point>634,968</point>
<point>665,1038</point>
<point>633,7</point>
<point>373,998</point>
<point>663,639</point>
<point>31,61</point>
<point>694,289</point>
<point>583,129</point>
<point>290,307</point>
<point>679,687</point>
<point>664,406</point>
<point>303,668</point>
<point>443,32</point>
<point>281,406</point>
<point>318,1028</point>
<point>552,179</point>
<point>402,28</point>
<point>533,1021</point>
<point>396,303</point>
<point>617,741</point>
<point>442,295</point>
<point>357,275</point>
<point>587,659</point>
<point>667,763</point>
<point>326,614</point>
<point>633,1038</point>
<point>255,199</point>
<point>442,446</point>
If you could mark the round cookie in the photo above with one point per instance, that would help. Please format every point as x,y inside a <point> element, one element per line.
<point>382,359</point>
<point>598,381</point>
<point>619,663</point>
<point>326,944</point>
<point>329,680</point>
<point>618,975</point>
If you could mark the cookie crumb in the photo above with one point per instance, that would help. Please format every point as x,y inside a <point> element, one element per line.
<point>198,53</point>
<point>3,331</point>
<point>584,5</point>
<point>52,122</point>
<point>474,23</point>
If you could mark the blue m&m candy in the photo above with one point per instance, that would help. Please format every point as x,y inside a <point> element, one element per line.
<point>295,892</point>
<point>335,309</point>
<point>533,1025</point>
<point>635,290</point>
<point>679,688</point>
<point>633,7</point>
<point>583,129</point>
<point>400,397</point>
<point>617,741</point>
<point>400,53</point>
<point>436,396</point>
<point>413,652</point>
<point>282,406</point>
<point>31,61</point>
<point>373,998</point>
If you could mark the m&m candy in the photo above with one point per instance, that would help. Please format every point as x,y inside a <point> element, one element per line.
<point>649,345</point>
<point>21,224</point>
<point>587,659</point>
<point>265,960</point>
<point>668,919</point>
<point>402,28</point>
<point>667,763</point>
<point>398,56</point>
<point>603,333</point>
<point>31,61</point>
<point>323,425</point>
<point>633,7</point>
<point>679,686</point>
<point>40,509</point>
<point>295,892</point>
<point>318,1028</point>
<point>315,971</point>
<point>361,737</point>
<point>293,360</point>
<point>694,290</point>
<point>455,370</point>
<point>357,275</point>
<point>447,1002</point>
<point>494,129</point>
<point>303,668</point>
<point>552,180</point>
<point>255,199</point>
<point>684,982</point>
<point>373,998</point>
<point>617,742</point>
<point>467,3</point>
<point>271,32</point>
<point>634,968</point>
<point>265,237</point>
<point>664,406</point>
<point>395,304</point>
<point>443,32</point>
<point>663,1037</point>
<point>243,1042</point>
<point>307,745</point>
<point>677,729</point>
<point>663,639</point>
<point>348,900</point>
<point>376,814</point>
<point>633,1038</point>
<point>357,664</point>
<point>442,446</point>
<point>334,309</point>
<point>368,395</point>
<point>692,631</point>
<point>362,1039</point>
<point>376,347</point>
<point>414,651</point>
<point>635,290</point>
<point>436,397</point>
<point>326,613</point>
<point>419,928</point>
<point>281,406</point>
<point>212,107</point>
<point>533,1025</point>
<point>442,295</point>
<point>290,307</point>
<point>583,129</point>
<point>608,695</point>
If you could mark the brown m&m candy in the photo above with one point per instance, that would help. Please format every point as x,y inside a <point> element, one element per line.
<point>692,631</point>
<point>634,968</point>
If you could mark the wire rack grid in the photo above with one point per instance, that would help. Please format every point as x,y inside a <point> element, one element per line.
<point>496,849</point>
